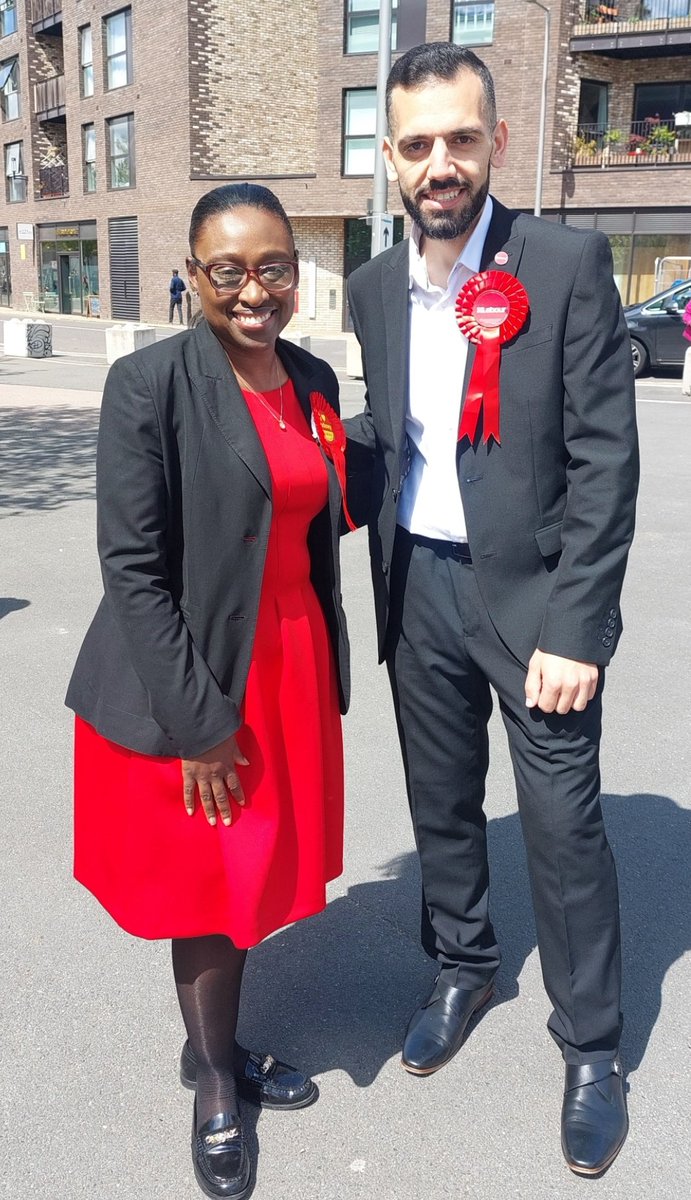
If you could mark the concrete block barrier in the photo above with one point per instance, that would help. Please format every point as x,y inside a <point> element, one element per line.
<point>26,338</point>
<point>124,339</point>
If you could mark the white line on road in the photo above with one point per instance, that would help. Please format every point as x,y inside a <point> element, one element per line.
<point>651,400</point>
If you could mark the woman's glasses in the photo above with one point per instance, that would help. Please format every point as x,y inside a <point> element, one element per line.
<point>231,277</point>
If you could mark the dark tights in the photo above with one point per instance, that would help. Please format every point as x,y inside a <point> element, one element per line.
<point>208,977</point>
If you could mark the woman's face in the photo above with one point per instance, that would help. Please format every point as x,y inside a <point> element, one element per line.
<point>249,320</point>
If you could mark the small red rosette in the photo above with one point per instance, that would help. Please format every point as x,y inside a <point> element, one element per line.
<point>332,439</point>
<point>490,310</point>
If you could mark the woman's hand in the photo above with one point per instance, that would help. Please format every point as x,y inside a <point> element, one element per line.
<point>214,775</point>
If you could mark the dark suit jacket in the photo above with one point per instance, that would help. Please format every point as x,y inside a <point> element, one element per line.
<point>184,510</point>
<point>550,511</point>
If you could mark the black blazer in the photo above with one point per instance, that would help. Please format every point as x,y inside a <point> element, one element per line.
<point>184,510</point>
<point>550,511</point>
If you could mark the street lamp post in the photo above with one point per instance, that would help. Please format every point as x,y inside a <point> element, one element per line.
<point>381,223</point>
<point>543,108</point>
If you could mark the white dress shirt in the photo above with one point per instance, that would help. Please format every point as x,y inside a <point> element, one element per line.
<point>430,501</point>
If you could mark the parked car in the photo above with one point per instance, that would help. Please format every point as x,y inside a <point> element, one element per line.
<point>656,329</point>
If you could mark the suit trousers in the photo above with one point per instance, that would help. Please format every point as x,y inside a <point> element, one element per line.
<point>443,655</point>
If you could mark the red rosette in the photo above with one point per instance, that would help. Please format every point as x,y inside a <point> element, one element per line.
<point>332,439</point>
<point>490,310</point>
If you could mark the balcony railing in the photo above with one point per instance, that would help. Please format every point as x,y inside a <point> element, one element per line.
<point>650,143</point>
<point>631,18</point>
<point>53,182</point>
<point>49,98</point>
<point>45,13</point>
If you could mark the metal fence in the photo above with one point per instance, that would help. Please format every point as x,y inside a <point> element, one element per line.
<point>641,143</point>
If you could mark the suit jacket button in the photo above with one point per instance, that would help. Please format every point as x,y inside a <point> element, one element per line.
<point>612,612</point>
<point>606,641</point>
<point>394,493</point>
<point>385,568</point>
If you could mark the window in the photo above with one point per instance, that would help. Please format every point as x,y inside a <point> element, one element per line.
<point>9,89</point>
<point>473,24</point>
<point>593,106</point>
<point>121,151</point>
<point>14,173</point>
<point>661,100</point>
<point>362,26</point>
<point>89,154</point>
<point>86,60</point>
<point>8,17</point>
<point>118,28</point>
<point>359,125</point>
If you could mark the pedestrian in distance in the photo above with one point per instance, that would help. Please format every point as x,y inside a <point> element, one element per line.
<point>500,420</point>
<point>203,813</point>
<point>176,287</point>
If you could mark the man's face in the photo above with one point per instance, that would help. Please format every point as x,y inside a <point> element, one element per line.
<point>440,150</point>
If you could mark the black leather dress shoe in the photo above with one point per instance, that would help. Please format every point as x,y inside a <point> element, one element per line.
<point>220,1158</point>
<point>265,1081</point>
<point>437,1029</point>
<point>594,1121</point>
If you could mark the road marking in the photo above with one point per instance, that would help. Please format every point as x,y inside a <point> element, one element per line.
<point>663,383</point>
<point>650,400</point>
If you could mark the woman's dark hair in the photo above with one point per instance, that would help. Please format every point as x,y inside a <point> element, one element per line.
<point>440,60</point>
<point>235,195</point>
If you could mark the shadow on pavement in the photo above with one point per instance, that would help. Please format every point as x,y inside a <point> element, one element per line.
<point>47,457</point>
<point>10,604</point>
<point>336,992</point>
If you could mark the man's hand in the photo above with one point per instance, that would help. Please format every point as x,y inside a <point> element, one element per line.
<point>557,684</point>
<point>214,774</point>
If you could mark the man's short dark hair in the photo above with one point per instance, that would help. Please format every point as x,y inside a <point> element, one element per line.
<point>440,60</point>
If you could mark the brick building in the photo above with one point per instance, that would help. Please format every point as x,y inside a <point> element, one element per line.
<point>115,119</point>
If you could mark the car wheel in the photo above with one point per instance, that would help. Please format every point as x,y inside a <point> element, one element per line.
<point>640,357</point>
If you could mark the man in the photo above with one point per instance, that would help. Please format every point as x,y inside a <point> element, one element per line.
<point>176,288</point>
<point>497,559</point>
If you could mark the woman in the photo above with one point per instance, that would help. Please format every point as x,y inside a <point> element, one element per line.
<point>208,760</point>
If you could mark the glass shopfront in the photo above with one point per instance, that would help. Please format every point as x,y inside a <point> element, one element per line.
<point>68,268</point>
<point>5,284</point>
<point>651,250</point>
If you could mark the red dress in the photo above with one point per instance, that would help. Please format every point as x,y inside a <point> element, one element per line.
<point>161,873</point>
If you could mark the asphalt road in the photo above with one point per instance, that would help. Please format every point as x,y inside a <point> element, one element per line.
<point>90,1028</point>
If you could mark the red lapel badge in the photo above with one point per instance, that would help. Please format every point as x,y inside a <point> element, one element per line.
<point>490,310</point>
<point>332,439</point>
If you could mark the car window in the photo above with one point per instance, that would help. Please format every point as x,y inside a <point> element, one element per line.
<point>681,298</point>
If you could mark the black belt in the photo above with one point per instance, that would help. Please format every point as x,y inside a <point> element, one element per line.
<point>460,551</point>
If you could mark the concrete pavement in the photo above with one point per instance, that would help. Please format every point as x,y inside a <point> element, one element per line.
<point>91,1031</point>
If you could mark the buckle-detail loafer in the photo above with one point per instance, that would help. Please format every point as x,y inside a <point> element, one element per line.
<point>436,1030</point>
<point>594,1121</point>
<point>220,1157</point>
<point>265,1081</point>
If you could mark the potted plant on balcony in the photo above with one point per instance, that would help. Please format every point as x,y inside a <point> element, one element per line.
<point>636,144</point>
<point>661,141</point>
<point>584,147</point>
<point>611,141</point>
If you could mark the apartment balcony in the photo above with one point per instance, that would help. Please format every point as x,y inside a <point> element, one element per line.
<point>46,16</point>
<point>633,29</point>
<point>53,183</point>
<point>49,99</point>
<point>651,143</point>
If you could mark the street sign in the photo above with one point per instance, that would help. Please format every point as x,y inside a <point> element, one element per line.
<point>382,232</point>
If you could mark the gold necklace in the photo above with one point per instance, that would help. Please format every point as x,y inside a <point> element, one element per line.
<point>277,416</point>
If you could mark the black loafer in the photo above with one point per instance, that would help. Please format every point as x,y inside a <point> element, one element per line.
<point>437,1029</point>
<point>594,1121</point>
<point>220,1157</point>
<point>265,1081</point>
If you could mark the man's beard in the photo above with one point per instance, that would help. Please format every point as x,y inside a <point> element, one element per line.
<point>447,226</point>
